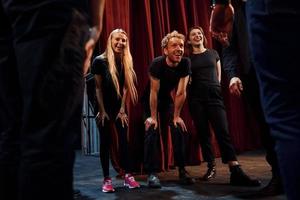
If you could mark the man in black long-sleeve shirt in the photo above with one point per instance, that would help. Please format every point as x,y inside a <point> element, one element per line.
<point>238,65</point>
<point>274,43</point>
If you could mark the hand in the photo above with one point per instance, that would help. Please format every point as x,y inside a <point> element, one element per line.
<point>100,118</point>
<point>221,20</point>
<point>123,117</point>
<point>180,122</point>
<point>89,47</point>
<point>235,86</point>
<point>149,122</point>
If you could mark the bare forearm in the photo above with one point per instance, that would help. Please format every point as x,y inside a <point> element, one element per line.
<point>179,101</point>
<point>123,103</point>
<point>97,10</point>
<point>153,104</point>
<point>218,68</point>
<point>99,96</point>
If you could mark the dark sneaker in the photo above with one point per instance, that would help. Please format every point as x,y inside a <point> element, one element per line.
<point>274,188</point>
<point>153,181</point>
<point>185,178</point>
<point>210,173</point>
<point>239,178</point>
<point>76,194</point>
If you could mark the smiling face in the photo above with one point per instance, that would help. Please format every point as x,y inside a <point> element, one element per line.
<point>196,37</point>
<point>174,51</point>
<point>118,42</point>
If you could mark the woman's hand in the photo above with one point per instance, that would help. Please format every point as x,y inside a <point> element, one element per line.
<point>123,117</point>
<point>100,117</point>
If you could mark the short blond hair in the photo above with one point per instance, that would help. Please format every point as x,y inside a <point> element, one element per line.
<point>166,39</point>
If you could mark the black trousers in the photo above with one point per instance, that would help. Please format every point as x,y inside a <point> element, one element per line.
<point>278,77</point>
<point>105,144</point>
<point>152,141</point>
<point>41,88</point>
<point>205,108</point>
<point>252,97</point>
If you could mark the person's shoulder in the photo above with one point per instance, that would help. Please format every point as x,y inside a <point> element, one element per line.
<point>155,68</point>
<point>185,61</point>
<point>213,51</point>
<point>157,62</point>
<point>100,60</point>
<point>99,65</point>
<point>158,59</point>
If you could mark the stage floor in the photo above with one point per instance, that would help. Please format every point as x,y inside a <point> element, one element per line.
<point>88,179</point>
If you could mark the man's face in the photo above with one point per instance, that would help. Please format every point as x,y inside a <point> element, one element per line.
<point>174,50</point>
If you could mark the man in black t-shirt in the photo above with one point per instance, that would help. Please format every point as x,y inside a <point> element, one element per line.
<point>167,73</point>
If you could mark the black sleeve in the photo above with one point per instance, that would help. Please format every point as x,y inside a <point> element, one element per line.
<point>98,66</point>
<point>186,67</point>
<point>154,68</point>
<point>216,54</point>
<point>230,54</point>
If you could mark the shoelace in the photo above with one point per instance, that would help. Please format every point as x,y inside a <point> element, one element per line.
<point>108,182</point>
<point>153,178</point>
<point>130,178</point>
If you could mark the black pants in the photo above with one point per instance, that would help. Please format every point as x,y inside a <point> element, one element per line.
<point>105,144</point>
<point>278,77</point>
<point>209,108</point>
<point>152,141</point>
<point>251,93</point>
<point>41,87</point>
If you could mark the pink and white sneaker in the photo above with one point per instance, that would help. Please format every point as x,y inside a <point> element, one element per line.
<point>130,182</point>
<point>107,186</point>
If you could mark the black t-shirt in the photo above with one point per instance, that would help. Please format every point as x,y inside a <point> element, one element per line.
<point>111,100</point>
<point>169,76</point>
<point>204,69</point>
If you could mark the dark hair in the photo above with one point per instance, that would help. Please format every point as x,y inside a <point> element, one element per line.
<point>190,49</point>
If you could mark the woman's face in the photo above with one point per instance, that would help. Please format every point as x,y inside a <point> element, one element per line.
<point>118,42</point>
<point>196,37</point>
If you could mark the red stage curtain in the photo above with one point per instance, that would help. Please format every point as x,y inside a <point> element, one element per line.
<point>146,22</point>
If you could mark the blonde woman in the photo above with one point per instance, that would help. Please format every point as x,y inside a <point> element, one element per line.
<point>115,83</point>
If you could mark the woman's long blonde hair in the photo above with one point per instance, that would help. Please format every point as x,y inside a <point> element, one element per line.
<point>126,59</point>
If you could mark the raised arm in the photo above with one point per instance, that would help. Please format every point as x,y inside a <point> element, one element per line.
<point>221,20</point>
<point>97,10</point>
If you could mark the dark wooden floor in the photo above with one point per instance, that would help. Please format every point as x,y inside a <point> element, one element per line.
<point>88,179</point>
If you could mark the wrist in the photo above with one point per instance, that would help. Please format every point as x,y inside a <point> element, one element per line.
<point>122,110</point>
<point>94,33</point>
